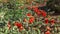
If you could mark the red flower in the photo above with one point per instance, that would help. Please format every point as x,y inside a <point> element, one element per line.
<point>31,20</point>
<point>9,25</point>
<point>35,10</point>
<point>18,24</point>
<point>28,14</point>
<point>43,13</point>
<point>47,32</point>
<point>52,21</point>
<point>46,20</point>
<point>38,13</point>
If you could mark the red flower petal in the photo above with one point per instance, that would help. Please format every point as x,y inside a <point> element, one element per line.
<point>31,20</point>
<point>46,20</point>
<point>36,10</point>
<point>38,13</point>
<point>48,32</point>
<point>52,21</point>
<point>18,24</point>
<point>43,13</point>
<point>28,14</point>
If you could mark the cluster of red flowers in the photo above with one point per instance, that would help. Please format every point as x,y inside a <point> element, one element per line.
<point>19,25</point>
<point>38,12</point>
<point>43,13</point>
<point>48,30</point>
<point>31,18</point>
<point>52,21</point>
